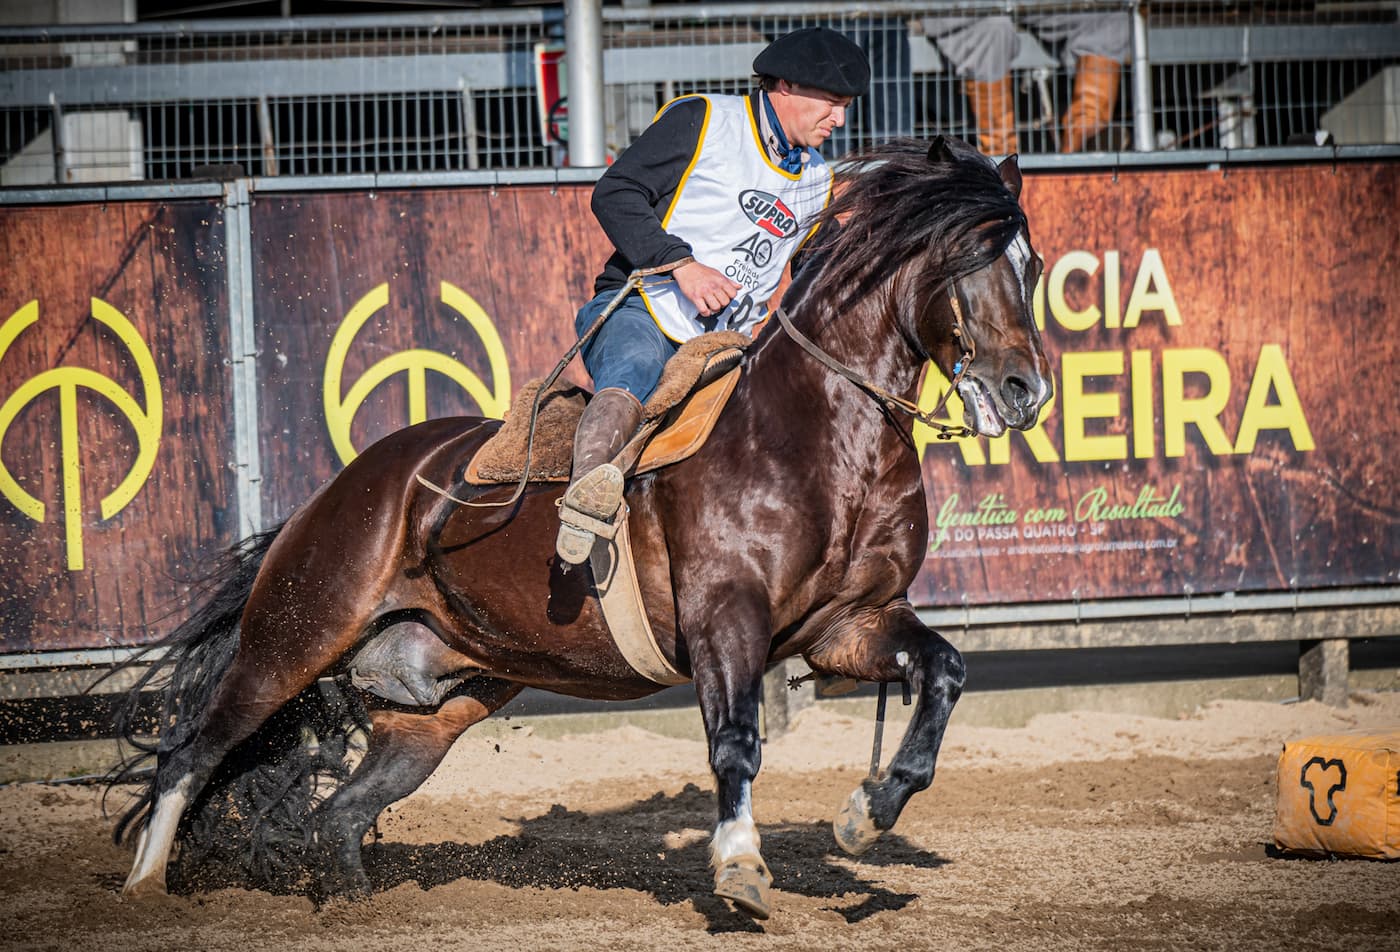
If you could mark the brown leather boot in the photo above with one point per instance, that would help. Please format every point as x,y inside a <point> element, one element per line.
<point>993,109</point>
<point>595,494</point>
<point>1095,97</point>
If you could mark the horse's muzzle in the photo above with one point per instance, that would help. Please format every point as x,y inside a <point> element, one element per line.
<point>1015,402</point>
<point>1020,402</point>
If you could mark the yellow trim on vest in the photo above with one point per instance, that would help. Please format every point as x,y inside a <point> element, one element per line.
<point>676,197</point>
<point>758,141</point>
<point>699,146</point>
<point>641,293</point>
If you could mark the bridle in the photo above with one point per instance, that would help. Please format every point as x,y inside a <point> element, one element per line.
<point>891,401</point>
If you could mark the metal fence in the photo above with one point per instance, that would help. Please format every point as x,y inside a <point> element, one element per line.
<point>479,90</point>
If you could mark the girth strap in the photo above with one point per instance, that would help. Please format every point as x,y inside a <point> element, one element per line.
<point>615,578</point>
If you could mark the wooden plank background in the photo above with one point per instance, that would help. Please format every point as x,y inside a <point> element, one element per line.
<point>1303,258</point>
<point>527,255</point>
<point>162,266</point>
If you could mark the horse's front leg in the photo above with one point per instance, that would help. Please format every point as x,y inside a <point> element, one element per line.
<point>894,646</point>
<point>728,671</point>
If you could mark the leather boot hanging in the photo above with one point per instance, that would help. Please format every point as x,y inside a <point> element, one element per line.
<point>595,494</point>
<point>1095,97</point>
<point>993,109</point>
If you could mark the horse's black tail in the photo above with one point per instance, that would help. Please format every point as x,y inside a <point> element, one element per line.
<point>184,668</point>
<point>251,823</point>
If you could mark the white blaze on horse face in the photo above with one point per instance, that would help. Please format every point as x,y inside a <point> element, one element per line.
<point>736,837</point>
<point>1019,254</point>
<point>153,849</point>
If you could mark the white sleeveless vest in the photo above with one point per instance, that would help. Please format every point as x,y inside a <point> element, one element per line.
<point>741,215</point>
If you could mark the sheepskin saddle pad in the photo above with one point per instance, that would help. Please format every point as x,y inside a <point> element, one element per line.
<point>693,389</point>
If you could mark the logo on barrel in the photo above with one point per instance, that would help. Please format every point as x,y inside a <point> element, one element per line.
<point>1328,777</point>
<point>768,212</point>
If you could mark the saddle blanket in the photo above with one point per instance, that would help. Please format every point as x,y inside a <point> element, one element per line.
<point>693,389</point>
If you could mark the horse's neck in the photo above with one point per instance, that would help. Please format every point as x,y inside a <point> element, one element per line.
<point>866,338</point>
<point>789,388</point>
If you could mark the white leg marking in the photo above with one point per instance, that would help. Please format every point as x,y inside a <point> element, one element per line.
<point>153,849</point>
<point>735,837</point>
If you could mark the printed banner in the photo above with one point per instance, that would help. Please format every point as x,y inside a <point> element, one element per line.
<point>1225,411</point>
<point>1224,416</point>
<point>115,422</point>
<point>377,311</point>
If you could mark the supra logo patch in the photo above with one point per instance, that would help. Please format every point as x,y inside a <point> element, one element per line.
<point>768,212</point>
<point>1328,777</point>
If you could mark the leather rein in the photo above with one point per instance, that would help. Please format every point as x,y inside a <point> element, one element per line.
<point>891,401</point>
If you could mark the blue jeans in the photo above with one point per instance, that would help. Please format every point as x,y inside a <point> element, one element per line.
<point>629,350</point>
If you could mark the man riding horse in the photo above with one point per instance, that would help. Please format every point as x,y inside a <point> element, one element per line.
<point>723,189</point>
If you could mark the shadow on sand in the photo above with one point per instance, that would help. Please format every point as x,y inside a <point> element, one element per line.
<point>624,849</point>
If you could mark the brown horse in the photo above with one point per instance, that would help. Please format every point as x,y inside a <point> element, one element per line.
<point>796,530</point>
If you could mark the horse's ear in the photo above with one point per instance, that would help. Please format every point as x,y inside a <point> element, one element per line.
<point>1010,171</point>
<point>938,151</point>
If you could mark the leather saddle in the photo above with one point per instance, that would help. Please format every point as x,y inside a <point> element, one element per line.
<point>676,419</point>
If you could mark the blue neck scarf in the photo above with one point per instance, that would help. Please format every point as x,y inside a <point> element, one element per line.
<point>789,157</point>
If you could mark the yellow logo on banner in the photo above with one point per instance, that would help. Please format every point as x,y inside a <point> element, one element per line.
<point>66,380</point>
<point>415,363</point>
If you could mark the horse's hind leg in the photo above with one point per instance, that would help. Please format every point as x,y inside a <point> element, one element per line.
<point>247,696</point>
<point>404,748</point>
<point>277,658</point>
<point>896,647</point>
<point>147,876</point>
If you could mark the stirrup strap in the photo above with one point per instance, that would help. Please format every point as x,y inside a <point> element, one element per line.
<point>570,515</point>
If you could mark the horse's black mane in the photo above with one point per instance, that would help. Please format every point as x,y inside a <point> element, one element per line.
<point>905,199</point>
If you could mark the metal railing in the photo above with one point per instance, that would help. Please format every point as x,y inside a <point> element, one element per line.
<point>479,90</point>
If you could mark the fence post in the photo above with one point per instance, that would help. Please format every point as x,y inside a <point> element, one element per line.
<point>238,257</point>
<point>269,137</point>
<point>60,153</point>
<point>1144,135</point>
<point>583,42</point>
<point>1322,671</point>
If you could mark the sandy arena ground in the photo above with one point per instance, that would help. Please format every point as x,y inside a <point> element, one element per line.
<point>1078,831</point>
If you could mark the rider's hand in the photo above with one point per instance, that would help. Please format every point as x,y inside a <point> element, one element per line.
<point>709,290</point>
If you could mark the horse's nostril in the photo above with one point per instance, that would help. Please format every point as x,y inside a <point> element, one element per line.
<point>1015,392</point>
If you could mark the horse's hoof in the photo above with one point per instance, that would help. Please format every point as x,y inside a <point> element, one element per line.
<point>340,888</point>
<point>746,882</point>
<point>147,888</point>
<point>854,828</point>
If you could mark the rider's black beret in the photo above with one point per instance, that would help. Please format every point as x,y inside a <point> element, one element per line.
<point>817,57</point>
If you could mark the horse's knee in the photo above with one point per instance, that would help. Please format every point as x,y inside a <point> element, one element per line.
<point>944,669</point>
<point>735,751</point>
<point>952,669</point>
